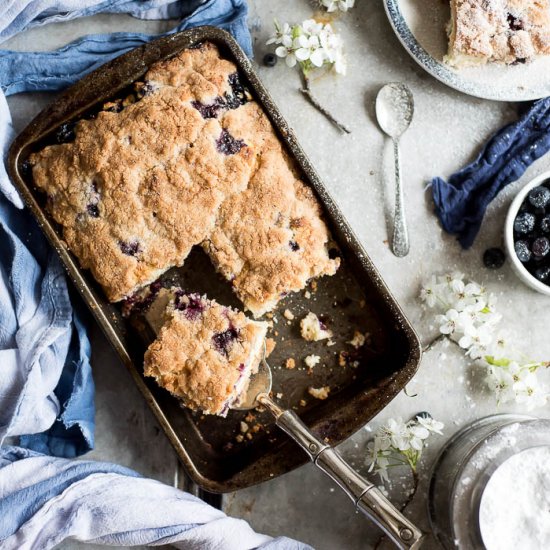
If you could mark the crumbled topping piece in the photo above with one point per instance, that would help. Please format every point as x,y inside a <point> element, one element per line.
<point>288,314</point>
<point>290,363</point>
<point>244,427</point>
<point>313,329</point>
<point>319,393</point>
<point>312,360</point>
<point>358,339</point>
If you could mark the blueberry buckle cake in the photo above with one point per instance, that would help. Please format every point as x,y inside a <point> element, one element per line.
<point>504,31</point>
<point>190,160</point>
<point>205,353</point>
<point>138,185</point>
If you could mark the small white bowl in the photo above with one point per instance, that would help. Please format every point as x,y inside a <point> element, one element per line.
<point>519,268</point>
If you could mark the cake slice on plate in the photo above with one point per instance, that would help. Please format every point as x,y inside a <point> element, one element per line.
<point>204,353</point>
<point>503,31</point>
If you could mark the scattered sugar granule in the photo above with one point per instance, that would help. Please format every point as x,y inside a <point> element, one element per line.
<point>290,363</point>
<point>319,393</point>
<point>358,339</point>
<point>312,360</point>
<point>303,402</point>
<point>288,314</point>
<point>307,294</point>
<point>239,438</point>
<point>331,343</point>
<point>244,427</point>
<point>313,329</point>
<point>279,395</point>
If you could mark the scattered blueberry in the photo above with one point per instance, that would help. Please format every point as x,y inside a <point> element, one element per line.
<point>228,145</point>
<point>543,274</point>
<point>130,249</point>
<point>540,247</point>
<point>493,258</point>
<point>65,133</point>
<point>270,60</point>
<point>545,224</point>
<point>539,196</point>
<point>224,340</point>
<point>522,251</point>
<point>294,246</point>
<point>524,223</point>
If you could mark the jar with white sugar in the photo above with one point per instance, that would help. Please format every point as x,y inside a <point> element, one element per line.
<point>490,486</point>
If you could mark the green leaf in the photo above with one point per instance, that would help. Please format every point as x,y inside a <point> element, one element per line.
<point>497,362</point>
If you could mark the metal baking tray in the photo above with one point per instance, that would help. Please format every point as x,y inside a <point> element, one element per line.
<point>356,298</point>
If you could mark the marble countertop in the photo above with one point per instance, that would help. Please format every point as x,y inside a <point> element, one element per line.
<point>447,131</point>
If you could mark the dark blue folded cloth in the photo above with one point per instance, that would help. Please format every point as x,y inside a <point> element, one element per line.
<point>460,202</point>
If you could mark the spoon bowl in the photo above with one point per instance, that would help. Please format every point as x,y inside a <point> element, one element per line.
<point>394,111</point>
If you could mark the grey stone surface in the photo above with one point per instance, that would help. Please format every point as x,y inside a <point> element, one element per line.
<point>446,133</point>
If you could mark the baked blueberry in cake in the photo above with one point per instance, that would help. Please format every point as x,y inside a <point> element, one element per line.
<point>137,186</point>
<point>204,353</point>
<point>505,31</point>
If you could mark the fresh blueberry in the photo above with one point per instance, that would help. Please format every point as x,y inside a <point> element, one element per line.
<point>545,224</point>
<point>522,251</point>
<point>224,340</point>
<point>539,196</point>
<point>524,223</point>
<point>270,60</point>
<point>493,258</point>
<point>540,247</point>
<point>129,248</point>
<point>543,274</point>
<point>228,145</point>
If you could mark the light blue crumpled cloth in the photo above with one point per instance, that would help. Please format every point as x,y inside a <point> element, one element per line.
<point>45,500</point>
<point>46,386</point>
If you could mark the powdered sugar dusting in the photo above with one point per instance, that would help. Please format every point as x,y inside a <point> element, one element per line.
<point>421,27</point>
<point>514,512</point>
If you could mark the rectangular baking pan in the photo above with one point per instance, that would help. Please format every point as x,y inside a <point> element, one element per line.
<point>355,299</point>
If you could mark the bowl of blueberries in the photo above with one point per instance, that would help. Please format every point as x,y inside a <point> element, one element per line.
<point>527,234</point>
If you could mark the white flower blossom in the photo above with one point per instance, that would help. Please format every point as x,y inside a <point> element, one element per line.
<point>334,5</point>
<point>399,443</point>
<point>467,315</point>
<point>310,44</point>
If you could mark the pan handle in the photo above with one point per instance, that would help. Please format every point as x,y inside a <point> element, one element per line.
<point>366,497</point>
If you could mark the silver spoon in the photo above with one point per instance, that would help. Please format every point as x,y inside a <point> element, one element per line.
<point>394,111</point>
<point>366,497</point>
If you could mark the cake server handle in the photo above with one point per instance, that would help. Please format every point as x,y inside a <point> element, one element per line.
<point>366,497</point>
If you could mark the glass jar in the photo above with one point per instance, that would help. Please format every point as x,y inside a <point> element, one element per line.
<point>464,467</point>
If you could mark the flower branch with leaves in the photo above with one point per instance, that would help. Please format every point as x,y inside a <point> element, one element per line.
<point>467,316</point>
<point>311,46</point>
<point>397,443</point>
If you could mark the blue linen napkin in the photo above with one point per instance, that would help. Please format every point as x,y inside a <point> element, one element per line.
<point>46,385</point>
<point>45,500</point>
<point>461,202</point>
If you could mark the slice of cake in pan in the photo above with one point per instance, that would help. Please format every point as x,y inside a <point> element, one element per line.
<point>504,31</point>
<point>205,353</point>
<point>270,239</point>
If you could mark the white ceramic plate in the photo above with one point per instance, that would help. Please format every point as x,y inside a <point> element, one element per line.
<point>420,26</point>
